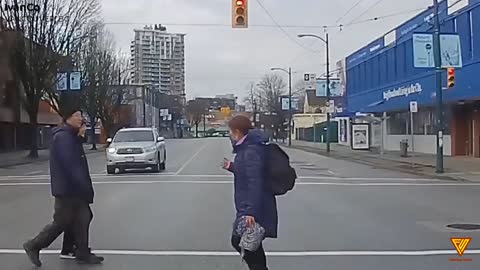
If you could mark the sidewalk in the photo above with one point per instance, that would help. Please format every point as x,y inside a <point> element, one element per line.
<point>456,168</point>
<point>10,159</point>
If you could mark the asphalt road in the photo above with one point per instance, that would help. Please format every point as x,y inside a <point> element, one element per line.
<point>341,215</point>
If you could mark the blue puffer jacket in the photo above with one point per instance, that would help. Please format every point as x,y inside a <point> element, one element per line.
<point>251,196</point>
<point>69,173</point>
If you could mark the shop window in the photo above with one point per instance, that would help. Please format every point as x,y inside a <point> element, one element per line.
<point>397,123</point>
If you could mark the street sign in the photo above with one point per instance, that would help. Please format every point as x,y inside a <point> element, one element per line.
<point>163,112</point>
<point>423,51</point>
<point>413,106</point>
<point>62,83</point>
<point>331,106</point>
<point>225,110</point>
<point>75,79</point>
<point>310,80</point>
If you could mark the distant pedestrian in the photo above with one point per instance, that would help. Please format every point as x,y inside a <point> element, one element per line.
<point>256,207</point>
<point>72,189</point>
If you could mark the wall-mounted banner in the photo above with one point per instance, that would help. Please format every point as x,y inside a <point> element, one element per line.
<point>75,80</point>
<point>402,91</point>
<point>286,104</point>
<point>450,49</point>
<point>62,83</point>
<point>336,89</point>
<point>423,51</point>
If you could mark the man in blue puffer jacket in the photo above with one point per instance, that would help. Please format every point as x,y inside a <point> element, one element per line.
<point>253,201</point>
<point>72,189</point>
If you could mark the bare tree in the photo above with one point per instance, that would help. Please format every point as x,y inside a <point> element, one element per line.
<point>43,36</point>
<point>250,99</point>
<point>96,60</point>
<point>270,89</point>
<point>196,110</point>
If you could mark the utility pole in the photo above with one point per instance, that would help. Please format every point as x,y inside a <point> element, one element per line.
<point>290,106</point>
<point>144,108</point>
<point>326,41</point>
<point>204,124</point>
<point>328,93</point>
<point>438,77</point>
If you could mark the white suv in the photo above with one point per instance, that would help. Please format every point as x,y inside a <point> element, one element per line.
<point>136,148</point>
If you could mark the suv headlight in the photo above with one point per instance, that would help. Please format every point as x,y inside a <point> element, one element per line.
<point>150,149</point>
<point>111,150</point>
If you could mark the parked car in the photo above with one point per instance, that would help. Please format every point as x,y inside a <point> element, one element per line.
<point>136,148</point>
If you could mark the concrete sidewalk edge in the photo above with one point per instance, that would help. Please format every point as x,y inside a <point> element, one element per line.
<point>337,156</point>
<point>26,160</point>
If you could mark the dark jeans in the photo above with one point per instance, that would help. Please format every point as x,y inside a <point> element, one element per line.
<point>255,260</point>
<point>69,213</point>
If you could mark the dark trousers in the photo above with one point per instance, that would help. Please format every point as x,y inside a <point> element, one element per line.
<point>255,260</point>
<point>69,238</point>
<point>69,213</point>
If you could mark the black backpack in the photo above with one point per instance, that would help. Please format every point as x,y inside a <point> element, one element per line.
<point>280,175</point>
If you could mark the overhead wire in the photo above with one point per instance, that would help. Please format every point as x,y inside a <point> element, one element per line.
<point>281,28</point>
<point>348,11</point>
<point>366,11</point>
<point>271,25</point>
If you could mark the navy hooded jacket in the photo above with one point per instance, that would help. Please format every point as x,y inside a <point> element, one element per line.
<point>69,173</point>
<point>252,198</point>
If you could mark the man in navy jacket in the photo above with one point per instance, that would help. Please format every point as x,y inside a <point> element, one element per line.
<point>72,188</point>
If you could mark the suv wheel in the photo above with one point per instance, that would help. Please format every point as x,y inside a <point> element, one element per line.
<point>110,170</point>
<point>157,166</point>
<point>163,165</point>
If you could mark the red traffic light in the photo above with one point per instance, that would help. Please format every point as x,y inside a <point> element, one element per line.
<point>240,13</point>
<point>450,77</point>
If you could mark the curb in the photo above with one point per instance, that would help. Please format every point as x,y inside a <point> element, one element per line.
<point>27,160</point>
<point>379,166</point>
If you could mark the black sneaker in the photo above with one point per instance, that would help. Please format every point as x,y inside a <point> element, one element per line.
<point>68,255</point>
<point>90,259</point>
<point>32,253</point>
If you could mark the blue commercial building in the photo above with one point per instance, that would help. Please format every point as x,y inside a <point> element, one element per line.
<point>381,79</point>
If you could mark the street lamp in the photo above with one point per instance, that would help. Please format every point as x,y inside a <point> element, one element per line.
<point>325,40</point>
<point>289,72</point>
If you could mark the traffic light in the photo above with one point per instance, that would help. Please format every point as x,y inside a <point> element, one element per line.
<point>239,13</point>
<point>450,77</point>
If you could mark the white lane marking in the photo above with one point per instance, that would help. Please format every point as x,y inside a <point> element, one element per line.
<point>101,176</point>
<point>142,182</point>
<point>192,158</point>
<point>34,172</point>
<point>270,253</point>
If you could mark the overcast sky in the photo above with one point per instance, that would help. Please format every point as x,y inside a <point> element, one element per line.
<point>222,60</point>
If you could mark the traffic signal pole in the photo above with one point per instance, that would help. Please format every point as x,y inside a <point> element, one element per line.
<point>328,93</point>
<point>438,79</point>
<point>290,107</point>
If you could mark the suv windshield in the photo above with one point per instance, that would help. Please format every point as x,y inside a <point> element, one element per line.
<point>134,136</point>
